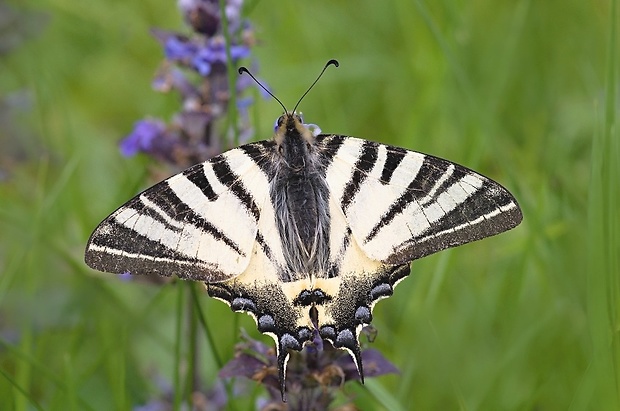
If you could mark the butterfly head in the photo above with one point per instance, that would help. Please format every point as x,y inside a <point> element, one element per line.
<point>292,136</point>
<point>287,119</point>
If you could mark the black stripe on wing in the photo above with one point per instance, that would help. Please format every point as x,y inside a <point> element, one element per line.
<point>483,202</point>
<point>180,211</point>
<point>198,177</point>
<point>139,207</point>
<point>264,246</point>
<point>329,144</point>
<point>261,154</point>
<point>395,156</point>
<point>488,211</point>
<point>419,187</point>
<point>142,256</point>
<point>230,179</point>
<point>449,179</point>
<point>334,268</point>
<point>365,162</point>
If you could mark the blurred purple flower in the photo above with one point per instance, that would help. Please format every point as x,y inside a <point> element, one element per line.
<point>244,103</point>
<point>192,136</point>
<point>172,78</point>
<point>204,15</point>
<point>215,53</point>
<point>142,137</point>
<point>214,399</point>
<point>178,48</point>
<point>233,10</point>
<point>313,375</point>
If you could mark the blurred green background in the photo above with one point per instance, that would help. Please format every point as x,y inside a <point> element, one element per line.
<point>522,91</point>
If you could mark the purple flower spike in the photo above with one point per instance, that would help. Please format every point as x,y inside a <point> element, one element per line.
<point>192,136</point>
<point>233,9</point>
<point>202,15</point>
<point>215,52</point>
<point>177,48</point>
<point>171,78</point>
<point>142,137</point>
<point>239,52</point>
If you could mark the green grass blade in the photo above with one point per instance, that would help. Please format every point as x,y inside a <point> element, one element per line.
<point>603,241</point>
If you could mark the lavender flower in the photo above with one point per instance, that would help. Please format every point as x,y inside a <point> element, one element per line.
<point>191,137</point>
<point>143,137</point>
<point>313,375</point>
<point>179,48</point>
<point>204,15</point>
<point>214,53</point>
<point>214,399</point>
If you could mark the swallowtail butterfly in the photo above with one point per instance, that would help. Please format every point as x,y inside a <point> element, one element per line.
<point>303,232</point>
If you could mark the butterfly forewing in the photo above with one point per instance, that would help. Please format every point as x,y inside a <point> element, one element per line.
<point>402,205</point>
<point>200,224</point>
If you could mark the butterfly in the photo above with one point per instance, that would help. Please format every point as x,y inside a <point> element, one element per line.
<point>303,232</point>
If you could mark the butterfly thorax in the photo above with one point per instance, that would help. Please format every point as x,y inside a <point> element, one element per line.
<point>300,195</point>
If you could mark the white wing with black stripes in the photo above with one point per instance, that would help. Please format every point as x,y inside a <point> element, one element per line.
<point>201,224</point>
<point>402,205</point>
<point>305,233</point>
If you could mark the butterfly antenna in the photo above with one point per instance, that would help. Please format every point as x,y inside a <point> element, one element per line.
<point>245,70</point>
<point>329,63</point>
